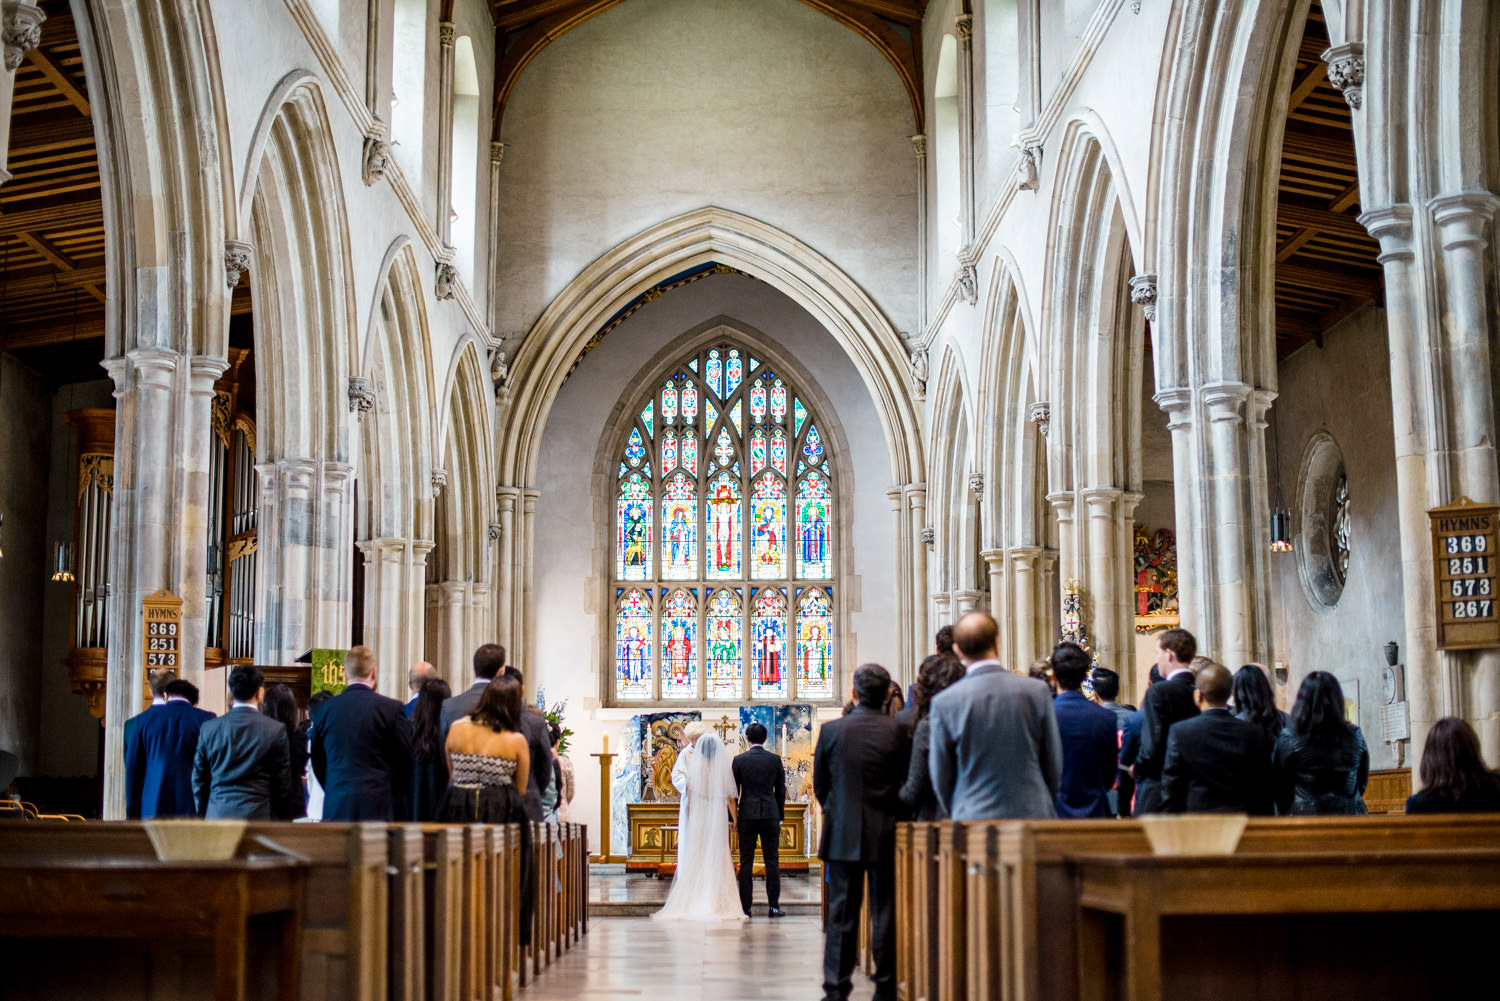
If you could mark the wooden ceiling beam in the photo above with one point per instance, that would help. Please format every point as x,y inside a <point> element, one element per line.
<point>52,255</point>
<point>519,13</point>
<point>35,281</point>
<point>42,137</point>
<point>1339,280</point>
<point>53,334</point>
<point>58,78</point>
<point>1303,216</point>
<point>1302,88</point>
<point>85,212</point>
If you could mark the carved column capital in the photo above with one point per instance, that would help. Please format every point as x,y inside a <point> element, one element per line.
<point>447,281</point>
<point>1346,71</point>
<point>1391,226</point>
<point>919,371</point>
<point>919,146</point>
<point>1461,218</point>
<point>377,156</point>
<point>1176,402</point>
<point>1225,400</point>
<point>439,481</point>
<point>361,397</point>
<point>20,30</point>
<point>928,537</point>
<point>1143,294</point>
<point>497,152</point>
<point>445,33</point>
<point>1040,414</point>
<point>495,531</point>
<point>968,282</point>
<point>963,26</point>
<point>236,261</point>
<point>1135,6</point>
<point>976,485</point>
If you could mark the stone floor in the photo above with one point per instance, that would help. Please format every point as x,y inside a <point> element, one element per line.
<point>761,960</point>
<point>615,893</point>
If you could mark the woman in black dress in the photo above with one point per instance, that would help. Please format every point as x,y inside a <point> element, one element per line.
<point>429,763</point>
<point>1454,777</point>
<point>281,705</point>
<point>488,766</point>
<point>936,673</point>
<point>1321,762</point>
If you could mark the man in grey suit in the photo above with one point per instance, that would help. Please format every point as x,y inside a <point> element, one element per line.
<point>995,750</point>
<point>488,662</point>
<point>243,769</point>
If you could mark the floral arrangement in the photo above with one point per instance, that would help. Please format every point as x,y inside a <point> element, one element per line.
<point>554,714</point>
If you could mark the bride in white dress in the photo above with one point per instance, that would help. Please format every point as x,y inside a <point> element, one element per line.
<point>704,886</point>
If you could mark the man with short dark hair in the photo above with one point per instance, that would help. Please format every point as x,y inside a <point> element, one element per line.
<point>858,768</point>
<point>1106,686</point>
<point>489,662</point>
<point>760,778</point>
<point>1164,705</point>
<point>420,673</point>
<point>1215,762</point>
<point>243,767</point>
<point>995,751</point>
<point>160,745</point>
<point>361,747</point>
<point>1090,745</point>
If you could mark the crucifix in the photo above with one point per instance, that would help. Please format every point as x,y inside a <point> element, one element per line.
<point>724,726</point>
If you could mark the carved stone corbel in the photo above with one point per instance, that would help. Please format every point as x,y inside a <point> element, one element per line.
<point>236,261</point>
<point>497,153</point>
<point>447,280</point>
<point>1135,6</point>
<point>1346,71</point>
<point>1028,164</point>
<point>1040,414</point>
<point>919,371</point>
<point>494,531</point>
<point>919,146</point>
<point>361,397</point>
<point>963,26</point>
<point>1143,294</point>
<point>20,30</point>
<point>976,485</point>
<point>968,282</point>
<point>928,537</point>
<point>439,481</point>
<point>377,157</point>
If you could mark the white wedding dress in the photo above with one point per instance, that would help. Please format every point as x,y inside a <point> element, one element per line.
<point>704,887</point>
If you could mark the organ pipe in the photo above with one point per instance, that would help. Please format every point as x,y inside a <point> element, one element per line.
<point>93,509</point>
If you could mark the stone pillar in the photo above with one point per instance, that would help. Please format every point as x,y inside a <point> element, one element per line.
<point>919,147</point>
<point>445,136</point>
<point>450,600</point>
<point>528,603</point>
<point>1063,503</point>
<point>1029,595</point>
<point>160,514</point>
<point>942,610</point>
<point>20,31</point>
<point>1002,601</point>
<point>497,154</point>
<point>304,569</point>
<point>963,26</point>
<point>1177,404</point>
<point>1109,573</point>
<point>921,630</point>
<point>477,627</point>
<point>394,589</point>
<point>506,617</point>
<point>966,601</point>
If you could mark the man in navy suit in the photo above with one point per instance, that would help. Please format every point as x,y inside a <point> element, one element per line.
<point>243,768</point>
<point>760,778</point>
<point>361,750</point>
<point>418,676</point>
<point>1217,763</point>
<point>159,747</point>
<point>1089,760</point>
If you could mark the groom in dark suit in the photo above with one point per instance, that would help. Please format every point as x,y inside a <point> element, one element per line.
<point>761,779</point>
<point>858,769</point>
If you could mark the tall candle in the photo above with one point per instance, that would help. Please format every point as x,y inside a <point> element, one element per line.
<point>606,743</point>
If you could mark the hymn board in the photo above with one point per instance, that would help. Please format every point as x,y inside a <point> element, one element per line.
<point>1465,546</point>
<point>161,636</point>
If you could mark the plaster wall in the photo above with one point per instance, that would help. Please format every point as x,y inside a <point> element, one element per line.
<point>569,596</point>
<point>658,107</point>
<point>1343,390</point>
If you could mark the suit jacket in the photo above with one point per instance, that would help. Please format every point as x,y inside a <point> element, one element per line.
<point>1090,755</point>
<point>858,768</point>
<point>361,754</point>
<point>159,747</point>
<point>994,750</point>
<point>410,705</point>
<point>533,728</point>
<point>1165,704</point>
<point>243,769</point>
<point>1217,764</point>
<point>761,778</point>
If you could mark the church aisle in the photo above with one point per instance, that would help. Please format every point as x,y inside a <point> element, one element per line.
<point>763,960</point>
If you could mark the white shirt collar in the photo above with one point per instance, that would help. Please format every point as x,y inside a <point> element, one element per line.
<point>244,705</point>
<point>176,698</point>
<point>1180,670</point>
<point>977,664</point>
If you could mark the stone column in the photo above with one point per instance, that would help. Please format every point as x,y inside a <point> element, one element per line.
<point>1177,404</point>
<point>528,602</point>
<point>506,604</point>
<point>902,554</point>
<point>477,627</point>
<point>942,609</point>
<point>497,154</point>
<point>386,610</point>
<point>966,601</point>
<point>452,601</point>
<point>1063,503</point>
<point>921,631</point>
<point>1029,596</point>
<point>159,534</point>
<point>1002,602</point>
<point>1109,573</point>
<point>919,147</point>
<point>445,135</point>
<point>1234,641</point>
<point>20,31</point>
<point>963,26</point>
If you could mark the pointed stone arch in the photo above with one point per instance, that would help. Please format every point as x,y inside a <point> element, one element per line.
<point>958,579</point>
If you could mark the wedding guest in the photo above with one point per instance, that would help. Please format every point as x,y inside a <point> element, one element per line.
<point>942,647</point>
<point>1164,704</point>
<point>1041,670</point>
<point>160,745</point>
<point>857,771</point>
<point>420,673</point>
<point>1254,702</point>
<point>534,726</point>
<point>429,762</point>
<point>895,702</point>
<point>361,748</point>
<point>281,705</point>
<point>1321,762</point>
<point>937,673</point>
<point>242,769</point>
<point>1453,773</point>
<point>314,787</point>
<point>1216,762</point>
<point>1106,686</point>
<point>1090,745</point>
<point>1130,748</point>
<point>563,774</point>
<point>943,643</point>
<point>994,748</point>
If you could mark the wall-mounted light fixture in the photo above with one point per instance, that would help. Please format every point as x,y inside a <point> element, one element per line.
<point>62,563</point>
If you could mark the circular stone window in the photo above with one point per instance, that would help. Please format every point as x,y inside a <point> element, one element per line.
<point>1325,521</point>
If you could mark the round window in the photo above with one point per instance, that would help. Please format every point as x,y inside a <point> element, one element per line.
<point>1324,531</point>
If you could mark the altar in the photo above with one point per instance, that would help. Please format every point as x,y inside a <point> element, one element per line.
<point>653,838</point>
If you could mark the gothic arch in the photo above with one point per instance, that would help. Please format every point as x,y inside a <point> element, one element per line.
<point>700,237</point>
<point>302,286</point>
<point>1010,384</point>
<point>953,508</point>
<point>467,457</point>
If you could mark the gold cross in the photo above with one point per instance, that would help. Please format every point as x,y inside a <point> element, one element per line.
<point>724,726</point>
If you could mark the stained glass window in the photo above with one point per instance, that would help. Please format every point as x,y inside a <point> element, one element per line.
<point>724,501</point>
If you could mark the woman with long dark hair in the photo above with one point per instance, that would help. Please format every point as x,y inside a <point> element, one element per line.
<point>936,673</point>
<point>281,705</point>
<point>1255,703</point>
<point>1321,762</point>
<point>429,764</point>
<point>1453,773</point>
<point>489,764</point>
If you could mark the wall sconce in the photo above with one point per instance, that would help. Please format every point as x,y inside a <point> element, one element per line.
<point>394,100</point>
<point>62,563</point>
<point>1281,531</point>
<point>452,214</point>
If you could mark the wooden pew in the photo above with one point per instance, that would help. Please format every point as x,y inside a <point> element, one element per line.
<point>1023,920</point>
<point>443,900</point>
<point>406,923</point>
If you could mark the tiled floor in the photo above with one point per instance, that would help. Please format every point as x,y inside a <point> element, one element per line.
<point>760,960</point>
<point>612,884</point>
